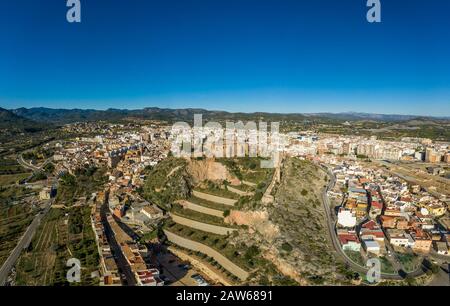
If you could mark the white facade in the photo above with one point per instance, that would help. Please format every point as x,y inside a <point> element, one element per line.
<point>346,218</point>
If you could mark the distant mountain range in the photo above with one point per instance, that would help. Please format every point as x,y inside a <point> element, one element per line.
<point>30,116</point>
<point>376,117</point>
<point>9,120</point>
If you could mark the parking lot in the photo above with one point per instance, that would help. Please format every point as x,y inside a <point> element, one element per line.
<point>177,272</point>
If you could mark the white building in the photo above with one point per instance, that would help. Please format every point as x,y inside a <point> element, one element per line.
<point>346,218</point>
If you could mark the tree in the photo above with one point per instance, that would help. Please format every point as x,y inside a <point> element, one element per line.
<point>286,247</point>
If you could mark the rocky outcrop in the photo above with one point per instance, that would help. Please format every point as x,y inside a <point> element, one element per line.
<point>283,266</point>
<point>240,192</point>
<point>208,169</point>
<point>256,221</point>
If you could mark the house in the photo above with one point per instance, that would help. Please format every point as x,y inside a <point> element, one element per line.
<point>349,241</point>
<point>402,224</point>
<point>392,211</point>
<point>388,221</point>
<point>152,212</point>
<point>422,245</point>
<point>377,205</point>
<point>119,211</point>
<point>45,193</point>
<point>371,246</point>
<point>371,231</point>
<point>441,247</point>
<point>397,237</point>
<point>148,278</point>
<point>346,218</point>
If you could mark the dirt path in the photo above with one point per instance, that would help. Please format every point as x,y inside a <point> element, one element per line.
<point>213,198</point>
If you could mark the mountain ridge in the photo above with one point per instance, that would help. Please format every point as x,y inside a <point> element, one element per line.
<point>60,115</point>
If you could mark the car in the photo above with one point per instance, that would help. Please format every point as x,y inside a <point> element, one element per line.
<point>200,280</point>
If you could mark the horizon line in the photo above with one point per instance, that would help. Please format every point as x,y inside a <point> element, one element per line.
<point>347,112</point>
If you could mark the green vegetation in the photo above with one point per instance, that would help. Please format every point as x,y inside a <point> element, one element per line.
<point>10,166</point>
<point>286,247</point>
<point>217,191</point>
<point>410,262</point>
<point>356,257</point>
<point>301,221</point>
<point>386,266</point>
<point>38,154</point>
<point>37,176</point>
<point>196,216</point>
<point>247,168</point>
<point>14,220</point>
<point>208,204</point>
<point>226,213</point>
<point>12,178</point>
<point>167,182</point>
<point>149,236</point>
<point>11,172</point>
<point>49,168</point>
<point>58,239</point>
<point>236,254</point>
<point>82,184</point>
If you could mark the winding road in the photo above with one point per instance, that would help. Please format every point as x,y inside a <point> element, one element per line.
<point>23,163</point>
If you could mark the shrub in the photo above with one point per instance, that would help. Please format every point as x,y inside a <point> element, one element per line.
<point>226,213</point>
<point>286,247</point>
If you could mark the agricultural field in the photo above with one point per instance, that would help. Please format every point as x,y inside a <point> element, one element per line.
<point>237,254</point>
<point>82,184</point>
<point>196,216</point>
<point>63,234</point>
<point>11,172</point>
<point>9,179</point>
<point>14,220</point>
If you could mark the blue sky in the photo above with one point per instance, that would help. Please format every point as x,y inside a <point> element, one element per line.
<point>236,55</point>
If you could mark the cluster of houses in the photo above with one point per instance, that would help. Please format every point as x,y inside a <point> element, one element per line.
<point>418,149</point>
<point>376,209</point>
<point>109,272</point>
<point>127,151</point>
<point>133,252</point>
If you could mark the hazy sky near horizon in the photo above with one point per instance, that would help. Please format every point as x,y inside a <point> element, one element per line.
<point>235,55</point>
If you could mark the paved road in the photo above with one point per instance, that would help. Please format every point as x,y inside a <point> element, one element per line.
<point>22,162</point>
<point>337,246</point>
<point>23,243</point>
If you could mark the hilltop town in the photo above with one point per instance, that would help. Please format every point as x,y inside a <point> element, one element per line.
<point>139,211</point>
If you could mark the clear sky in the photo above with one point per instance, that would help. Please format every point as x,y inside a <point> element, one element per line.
<point>236,55</point>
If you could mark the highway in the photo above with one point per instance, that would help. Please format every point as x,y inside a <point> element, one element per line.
<point>22,244</point>
<point>337,245</point>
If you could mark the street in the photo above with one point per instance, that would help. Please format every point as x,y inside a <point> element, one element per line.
<point>337,246</point>
<point>122,263</point>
